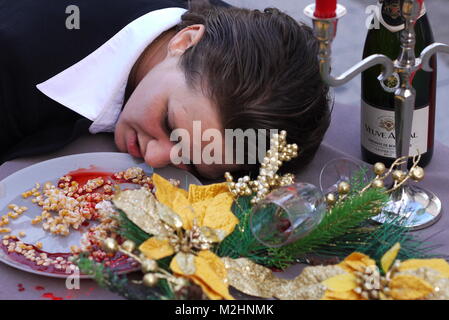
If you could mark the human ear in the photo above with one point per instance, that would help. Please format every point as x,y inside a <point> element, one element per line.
<point>186,38</point>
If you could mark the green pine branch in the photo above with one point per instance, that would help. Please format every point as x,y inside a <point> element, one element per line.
<point>385,236</point>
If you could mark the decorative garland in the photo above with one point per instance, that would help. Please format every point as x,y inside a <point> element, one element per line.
<point>192,245</point>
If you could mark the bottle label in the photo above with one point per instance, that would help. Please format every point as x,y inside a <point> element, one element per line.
<point>378,131</point>
<point>391,16</point>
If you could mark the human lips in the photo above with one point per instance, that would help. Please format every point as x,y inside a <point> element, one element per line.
<point>132,145</point>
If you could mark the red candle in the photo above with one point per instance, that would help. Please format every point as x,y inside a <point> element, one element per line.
<point>325,8</point>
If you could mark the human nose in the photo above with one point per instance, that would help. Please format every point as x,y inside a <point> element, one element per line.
<point>158,153</point>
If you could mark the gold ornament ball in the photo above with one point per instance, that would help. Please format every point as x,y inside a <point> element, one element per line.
<point>149,265</point>
<point>377,183</point>
<point>331,199</point>
<point>417,173</point>
<point>343,187</point>
<point>248,192</point>
<point>398,175</point>
<point>128,245</point>
<point>110,245</point>
<point>150,280</point>
<point>379,168</point>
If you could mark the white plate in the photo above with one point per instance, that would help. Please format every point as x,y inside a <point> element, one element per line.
<point>14,185</point>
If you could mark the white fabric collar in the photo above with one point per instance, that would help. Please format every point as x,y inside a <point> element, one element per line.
<point>95,86</point>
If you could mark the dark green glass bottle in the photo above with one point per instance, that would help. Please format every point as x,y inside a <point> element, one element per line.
<point>377,116</point>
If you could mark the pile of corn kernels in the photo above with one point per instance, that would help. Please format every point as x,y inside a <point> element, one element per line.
<point>69,205</point>
<point>14,214</point>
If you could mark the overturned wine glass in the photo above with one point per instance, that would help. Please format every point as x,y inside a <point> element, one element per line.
<point>287,214</point>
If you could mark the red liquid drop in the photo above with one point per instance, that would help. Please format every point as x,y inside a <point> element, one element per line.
<point>51,296</point>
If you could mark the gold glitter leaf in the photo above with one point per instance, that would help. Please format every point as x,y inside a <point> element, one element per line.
<point>256,280</point>
<point>409,287</point>
<point>388,258</point>
<point>251,278</point>
<point>168,216</point>
<point>140,206</point>
<point>317,274</point>
<point>156,249</point>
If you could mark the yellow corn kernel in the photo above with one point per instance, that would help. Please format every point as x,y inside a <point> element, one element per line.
<point>26,194</point>
<point>39,245</point>
<point>5,230</point>
<point>13,215</point>
<point>36,220</point>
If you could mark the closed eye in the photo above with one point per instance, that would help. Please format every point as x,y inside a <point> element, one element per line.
<point>167,125</point>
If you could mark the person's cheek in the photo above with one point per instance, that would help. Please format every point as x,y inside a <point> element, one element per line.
<point>157,153</point>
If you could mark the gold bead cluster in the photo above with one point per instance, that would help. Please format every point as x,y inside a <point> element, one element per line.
<point>381,172</point>
<point>152,272</point>
<point>195,239</point>
<point>343,189</point>
<point>399,177</point>
<point>371,285</point>
<point>268,178</point>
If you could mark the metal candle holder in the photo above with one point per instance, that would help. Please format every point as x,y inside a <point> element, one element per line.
<point>418,206</point>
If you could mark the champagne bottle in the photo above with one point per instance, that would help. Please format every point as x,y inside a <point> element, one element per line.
<point>377,114</point>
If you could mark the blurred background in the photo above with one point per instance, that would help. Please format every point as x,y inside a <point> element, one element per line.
<point>348,45</point>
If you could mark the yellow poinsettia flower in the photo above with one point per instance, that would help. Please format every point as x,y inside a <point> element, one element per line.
<point>205,212</point>
<point>400,286</point>
<point>209,274</point>
<point>341,287</point>
<point>208,205</point>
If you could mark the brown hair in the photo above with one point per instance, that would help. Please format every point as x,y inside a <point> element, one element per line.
<point>262,71</point>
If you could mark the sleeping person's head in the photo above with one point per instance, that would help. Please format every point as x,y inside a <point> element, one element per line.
<point>228,68</point>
